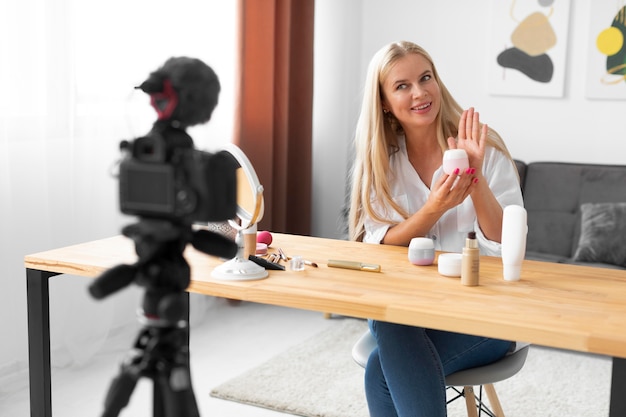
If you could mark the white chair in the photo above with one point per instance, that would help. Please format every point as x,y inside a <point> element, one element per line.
<point>483,376</point>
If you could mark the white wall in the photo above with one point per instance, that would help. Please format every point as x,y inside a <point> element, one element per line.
<point>335,107</point>
<point>456,33</point>
<point>71,67</point>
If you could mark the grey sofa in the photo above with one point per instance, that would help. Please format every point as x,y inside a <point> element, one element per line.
<point>576,212</point>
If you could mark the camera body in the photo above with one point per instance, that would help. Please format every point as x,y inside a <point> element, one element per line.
<point>163,176</point>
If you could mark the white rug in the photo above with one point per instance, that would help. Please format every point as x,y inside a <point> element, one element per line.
<point>318,378</point>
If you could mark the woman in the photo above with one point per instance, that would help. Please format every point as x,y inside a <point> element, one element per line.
<point>399,191</point>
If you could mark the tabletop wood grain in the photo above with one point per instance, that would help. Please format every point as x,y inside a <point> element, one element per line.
<point>565,306</point>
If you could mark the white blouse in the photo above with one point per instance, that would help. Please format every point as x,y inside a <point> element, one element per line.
<point>450,231</point>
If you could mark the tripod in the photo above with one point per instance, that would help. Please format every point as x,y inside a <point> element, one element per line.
<point>161,353</point>
<point>161,349</point>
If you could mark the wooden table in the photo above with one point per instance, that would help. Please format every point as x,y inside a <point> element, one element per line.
<point>562,306</point>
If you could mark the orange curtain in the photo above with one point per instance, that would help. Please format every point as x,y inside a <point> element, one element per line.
<point>273,122</point>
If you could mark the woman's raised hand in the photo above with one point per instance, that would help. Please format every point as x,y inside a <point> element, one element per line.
<point>472,138</point>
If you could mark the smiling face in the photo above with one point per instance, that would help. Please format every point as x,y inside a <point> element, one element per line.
<point>411,92</point>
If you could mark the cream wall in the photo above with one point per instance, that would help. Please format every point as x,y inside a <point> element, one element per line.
<point>456,33</point>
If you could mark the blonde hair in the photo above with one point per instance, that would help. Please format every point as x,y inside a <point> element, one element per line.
<point>376,137</point>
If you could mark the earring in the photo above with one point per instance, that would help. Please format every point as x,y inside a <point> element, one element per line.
<point>385,111</point>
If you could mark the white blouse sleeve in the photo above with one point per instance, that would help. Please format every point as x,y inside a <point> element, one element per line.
<point>375,231</point>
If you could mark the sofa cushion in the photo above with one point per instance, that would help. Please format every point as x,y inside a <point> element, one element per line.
<point>553,194</point>
<point>603,234</point>
<point>551,200</point>
<point>544,257</point>
<point>600,184</point>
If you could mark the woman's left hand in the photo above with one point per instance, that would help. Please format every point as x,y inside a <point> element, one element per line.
<point>472,138</point>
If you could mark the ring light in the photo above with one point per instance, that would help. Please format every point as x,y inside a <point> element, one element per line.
<point>250,207</point>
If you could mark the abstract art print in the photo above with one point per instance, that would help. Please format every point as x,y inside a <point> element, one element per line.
<point>528,47</point>
<point>606,63</point>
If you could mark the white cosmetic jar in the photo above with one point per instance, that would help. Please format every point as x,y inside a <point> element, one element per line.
<point>421,251</point>
<point>453,159</point>
<point>449,264</point>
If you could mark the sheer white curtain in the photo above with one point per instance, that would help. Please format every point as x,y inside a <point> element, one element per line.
<point>67,70</point>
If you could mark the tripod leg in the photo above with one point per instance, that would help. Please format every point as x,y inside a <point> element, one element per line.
<point>176,394</point>
<point>119,392</point>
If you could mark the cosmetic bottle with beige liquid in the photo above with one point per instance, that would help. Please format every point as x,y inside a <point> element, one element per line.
<point>470,261</point>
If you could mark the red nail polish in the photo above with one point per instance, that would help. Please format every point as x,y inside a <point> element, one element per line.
<point>473,171</point>
<point>468,171</point>
<point>456,171</point>
<point>475,180</point>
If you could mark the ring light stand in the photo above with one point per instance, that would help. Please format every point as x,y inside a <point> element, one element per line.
<point>250,208</point>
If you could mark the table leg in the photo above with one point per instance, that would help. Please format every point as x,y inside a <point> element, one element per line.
<point>38,302</point>
<point>618,387</point>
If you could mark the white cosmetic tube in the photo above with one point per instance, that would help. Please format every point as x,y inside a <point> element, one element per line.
<point>514,231</point>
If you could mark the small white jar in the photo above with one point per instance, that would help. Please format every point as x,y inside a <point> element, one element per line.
<point>421,251</point>
<point>449,264</point>
<point>453,159</point>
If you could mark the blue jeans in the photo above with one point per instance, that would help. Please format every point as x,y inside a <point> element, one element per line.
<point>405,374</point>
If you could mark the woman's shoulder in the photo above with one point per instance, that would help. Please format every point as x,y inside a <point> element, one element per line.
<point>494,154</point>
<point>496,162</point>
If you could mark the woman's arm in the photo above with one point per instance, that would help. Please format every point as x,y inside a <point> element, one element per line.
<point>488,210</point>
<point>473,138</point>
<point>448,192</point>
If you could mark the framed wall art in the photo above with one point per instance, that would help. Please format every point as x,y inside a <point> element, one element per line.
<point>606,63</point>
<point>528,48</point>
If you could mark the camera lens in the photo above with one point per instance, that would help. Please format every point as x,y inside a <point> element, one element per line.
<point>186,201</point>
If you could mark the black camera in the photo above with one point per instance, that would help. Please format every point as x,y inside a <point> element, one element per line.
<point>170,185</point>
<point>163,176</point>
